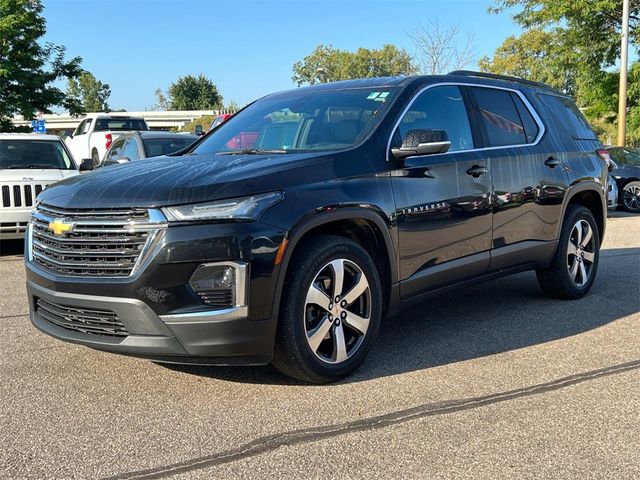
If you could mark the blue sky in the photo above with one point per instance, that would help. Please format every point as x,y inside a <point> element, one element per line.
<point>246,47</point>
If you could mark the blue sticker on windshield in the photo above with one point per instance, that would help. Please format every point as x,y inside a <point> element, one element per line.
<point>373,95</point>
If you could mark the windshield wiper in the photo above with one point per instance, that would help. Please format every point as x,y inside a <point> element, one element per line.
<point>253,151</point>
<point>32,165</point>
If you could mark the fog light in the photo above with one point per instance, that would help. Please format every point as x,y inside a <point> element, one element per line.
<point>221,285</point>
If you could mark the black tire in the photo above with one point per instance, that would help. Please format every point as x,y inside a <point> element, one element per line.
<point>95,158</point>
<point>311,266</point>
<point>558,280</point>
<point>630,197</point>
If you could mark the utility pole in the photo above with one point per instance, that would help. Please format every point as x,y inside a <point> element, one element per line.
<point>622,91</point>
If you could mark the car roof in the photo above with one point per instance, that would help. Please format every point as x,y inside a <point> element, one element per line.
<point>459,76</point>
<point>122,116</point>
<point>29,136</point>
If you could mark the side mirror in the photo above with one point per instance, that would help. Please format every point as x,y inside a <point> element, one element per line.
<point>198,130</point>
<point>422,142</point>
<point>123,160</point>
<point>86,165</point>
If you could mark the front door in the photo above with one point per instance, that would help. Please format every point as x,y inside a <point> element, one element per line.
<point>443,202</point>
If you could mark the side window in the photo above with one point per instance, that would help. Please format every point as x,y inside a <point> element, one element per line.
<point>130,149</point>
<point>440,108</point>
<point>565,112</point>
<point>531,128</point>
<point>116,149</point>
<point>499,117</point>
<point>87,126</point>
<point>80,128</point>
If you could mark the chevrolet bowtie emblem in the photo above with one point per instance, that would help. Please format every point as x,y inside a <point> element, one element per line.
<point>59,227</point>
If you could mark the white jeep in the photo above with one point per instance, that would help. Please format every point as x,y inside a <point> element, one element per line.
<point>28,164</point>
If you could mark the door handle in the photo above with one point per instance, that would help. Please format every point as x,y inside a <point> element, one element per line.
<point>477,170</point>
<point>552,162</point>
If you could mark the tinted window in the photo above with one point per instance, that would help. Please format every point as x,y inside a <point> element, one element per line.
<point>565,112</point>
<point>499,117</point>
<point>34,154</point>
<point>531,128</point>
<point>164,146</point>
<point>80,128</point>
<point>119,124</point>
<point>440,108</point>
<point>304,121</point>
<point>130,150</point>
<point>115,150</point>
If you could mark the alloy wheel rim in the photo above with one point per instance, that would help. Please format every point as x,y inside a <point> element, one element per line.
<point>337,311</point>
<point>631,197</point>
<point>581,253</point>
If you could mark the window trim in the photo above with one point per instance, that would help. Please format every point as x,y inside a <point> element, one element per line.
<point>524,99</point>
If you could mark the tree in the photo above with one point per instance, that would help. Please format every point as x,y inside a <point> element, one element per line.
<point>328,64</point>
<point>573,46</point>
<point>162,104</point>
<point>537,55</point>
<point>29,68</point>
<point>193,93</point>
<point>90,92</point>
<point>591,27</point>
<point>439,48</point>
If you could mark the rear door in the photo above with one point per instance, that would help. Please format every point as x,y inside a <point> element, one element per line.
<point>443,213</point>
<point>529,180</point>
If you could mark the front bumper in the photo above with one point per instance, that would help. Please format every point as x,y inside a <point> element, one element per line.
<point>164,319</point>
<point>217,337</point>
<point>13,222</point>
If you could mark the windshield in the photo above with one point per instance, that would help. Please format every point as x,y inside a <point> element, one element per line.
<point>306,121</point>
<point>49,154</point>
<point>119,124</point>
<point>154,147</point>
<point>623,156</point>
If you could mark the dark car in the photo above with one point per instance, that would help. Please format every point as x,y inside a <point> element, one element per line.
<point>626,173</point>
<point>348,201</point>
<point>137,145</point>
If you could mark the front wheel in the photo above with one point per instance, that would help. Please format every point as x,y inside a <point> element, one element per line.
<point>330,312</point>
<point>575,263</point>
<point>631,197</point>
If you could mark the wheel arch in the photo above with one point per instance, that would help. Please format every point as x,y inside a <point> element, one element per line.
<point>591,196</point>
<point>364,225</point>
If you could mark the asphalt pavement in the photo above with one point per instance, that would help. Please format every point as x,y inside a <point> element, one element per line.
<point>491,381</point>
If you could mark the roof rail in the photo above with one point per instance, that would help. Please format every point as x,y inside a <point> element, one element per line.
<point>471,73</point>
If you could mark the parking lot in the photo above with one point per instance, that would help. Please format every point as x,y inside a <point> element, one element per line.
<point>492,381</point>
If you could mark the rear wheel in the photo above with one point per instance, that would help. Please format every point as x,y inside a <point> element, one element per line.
<point>330,313</point>
<point>631,197</point>
<point>575,264</point>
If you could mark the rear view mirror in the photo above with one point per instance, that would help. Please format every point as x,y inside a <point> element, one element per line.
<point>86,165</point>
<point>422,142</point>
<point>198,130</point>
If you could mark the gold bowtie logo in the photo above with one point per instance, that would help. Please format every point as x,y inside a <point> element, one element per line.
<point>58,227</point>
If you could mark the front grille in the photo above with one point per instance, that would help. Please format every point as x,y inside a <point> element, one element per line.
<point>21,195</point>
<point>92,321</point>
<point>219,298</point>
<point>100,243</point>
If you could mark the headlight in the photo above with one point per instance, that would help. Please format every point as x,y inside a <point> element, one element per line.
<point>245,208</point>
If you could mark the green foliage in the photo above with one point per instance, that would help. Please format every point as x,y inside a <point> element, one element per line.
<point>204,121</point>
<point>193,93</point>
<point>328,64</point>
<point>591,27</point>
<point>90,92</point>
<point>572,45</point>
<point>535,55</point>
<point>27,68</point>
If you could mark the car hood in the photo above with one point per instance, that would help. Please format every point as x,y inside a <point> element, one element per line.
<point>163,181</point>
<point>34,175</point>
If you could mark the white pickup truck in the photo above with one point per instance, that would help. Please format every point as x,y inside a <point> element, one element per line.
<point>93,137</point>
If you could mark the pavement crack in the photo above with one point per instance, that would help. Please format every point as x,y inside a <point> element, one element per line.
<point>294,437</point>
<point>14,316</point>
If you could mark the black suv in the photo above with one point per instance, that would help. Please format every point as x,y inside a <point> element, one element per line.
<point>285,234</point>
